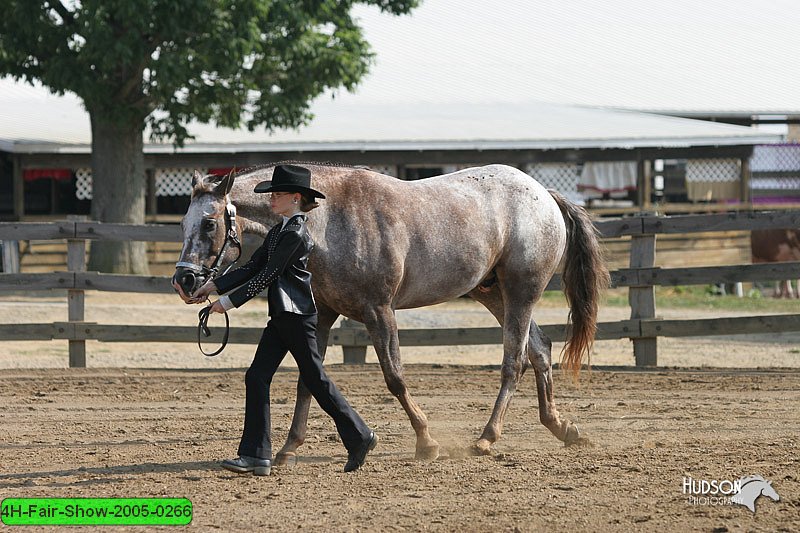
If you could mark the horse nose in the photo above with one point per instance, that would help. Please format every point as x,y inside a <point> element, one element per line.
<point>186,279</point>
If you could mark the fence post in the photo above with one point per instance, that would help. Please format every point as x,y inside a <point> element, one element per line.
<point>642,299</point>
<point>10,256</point>
<point>18,180</point>
<point>76,262</point>
<point>353,355</point>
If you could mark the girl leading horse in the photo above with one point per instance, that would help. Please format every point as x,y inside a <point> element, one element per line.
<point>384,244</point>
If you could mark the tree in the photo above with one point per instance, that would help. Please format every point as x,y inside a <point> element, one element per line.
<point>164,63</point>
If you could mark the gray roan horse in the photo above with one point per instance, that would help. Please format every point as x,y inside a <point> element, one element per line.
<point>383,244</point>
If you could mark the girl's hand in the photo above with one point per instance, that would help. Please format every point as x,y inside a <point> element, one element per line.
<point>179,290</point>
<point>201,294</point>
<point>199,297</point>
<point>216,307</point>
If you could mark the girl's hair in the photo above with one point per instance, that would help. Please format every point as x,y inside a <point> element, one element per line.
<point>307,203</point>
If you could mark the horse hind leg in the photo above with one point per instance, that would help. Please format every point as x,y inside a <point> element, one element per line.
<point>287,456</point>
<point>515,323</point>
<point>382,327</point>
<point>539,353</point>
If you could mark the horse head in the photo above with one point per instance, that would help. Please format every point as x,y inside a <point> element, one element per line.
<point>769,491</point>
<point>209,228</point>
<point>751,488</point>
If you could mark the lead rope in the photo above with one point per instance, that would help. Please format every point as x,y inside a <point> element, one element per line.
<point>202,327</point>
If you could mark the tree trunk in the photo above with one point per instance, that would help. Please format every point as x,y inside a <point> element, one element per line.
<point>118,193</point>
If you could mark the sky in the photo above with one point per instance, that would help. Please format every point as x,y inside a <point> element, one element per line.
<point>654,54</point>
<point>709,55</point>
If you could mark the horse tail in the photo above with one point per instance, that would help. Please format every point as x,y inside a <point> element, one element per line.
<point>585,278</point>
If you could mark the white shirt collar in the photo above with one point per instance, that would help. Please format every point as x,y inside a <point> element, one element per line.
<point>286,219</point>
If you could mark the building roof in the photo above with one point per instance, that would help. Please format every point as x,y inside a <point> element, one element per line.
<point>34,122</point>
<point>741,117</point>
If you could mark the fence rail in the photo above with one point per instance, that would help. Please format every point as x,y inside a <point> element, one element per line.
<point>641,278</point>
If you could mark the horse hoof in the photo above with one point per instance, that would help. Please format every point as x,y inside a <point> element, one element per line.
<point>428,453</point>
<point>573,435</point>
<point>286,459</point>
<point>482,447</point>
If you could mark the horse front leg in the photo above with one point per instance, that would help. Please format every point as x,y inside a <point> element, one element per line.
<point>287,456</point>
<point>382,327</point>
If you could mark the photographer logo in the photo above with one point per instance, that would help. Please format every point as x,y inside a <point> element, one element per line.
<point>744,491</point>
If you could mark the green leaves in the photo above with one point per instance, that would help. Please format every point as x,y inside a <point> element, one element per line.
<point>256,63</point>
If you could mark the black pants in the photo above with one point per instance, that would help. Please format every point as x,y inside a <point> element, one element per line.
<point>298,335</point>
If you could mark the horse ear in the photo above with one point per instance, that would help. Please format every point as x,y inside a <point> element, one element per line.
<point>227,183</point>
<point>231,178</point>
<point>197,178</point>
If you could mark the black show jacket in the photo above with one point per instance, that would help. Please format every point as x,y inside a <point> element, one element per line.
<point>279,264</point>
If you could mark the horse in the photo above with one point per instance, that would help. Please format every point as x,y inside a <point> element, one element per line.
<point>492,233</point>
<point>751,488</point>
<point>774,246</point>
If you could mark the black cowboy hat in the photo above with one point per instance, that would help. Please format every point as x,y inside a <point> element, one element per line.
<point>290,178</point>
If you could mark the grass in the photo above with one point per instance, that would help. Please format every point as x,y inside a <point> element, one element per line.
<point>694,297</point>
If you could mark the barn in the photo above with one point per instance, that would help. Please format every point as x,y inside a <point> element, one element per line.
<point>607,158</point>
<point>614,161</point>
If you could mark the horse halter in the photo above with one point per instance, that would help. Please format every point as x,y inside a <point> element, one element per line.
<point>231,237</point>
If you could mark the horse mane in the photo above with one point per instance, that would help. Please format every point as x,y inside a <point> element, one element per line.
<point>209,182</point>
<point>749,479</point>
<point>329,164</point>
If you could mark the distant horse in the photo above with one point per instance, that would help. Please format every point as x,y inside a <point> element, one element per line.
<point>751,488</point>
<point>773,246</point>
<point>384,244</point>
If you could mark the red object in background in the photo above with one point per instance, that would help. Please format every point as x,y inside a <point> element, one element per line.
<point>31,174</point>
<point>220,171</point>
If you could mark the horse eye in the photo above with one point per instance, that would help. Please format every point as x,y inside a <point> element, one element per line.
<point>209,224</point>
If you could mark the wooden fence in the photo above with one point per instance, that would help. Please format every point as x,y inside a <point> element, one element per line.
<point>641,278</point>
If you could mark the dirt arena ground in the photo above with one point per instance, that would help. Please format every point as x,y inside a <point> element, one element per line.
<point>128,426</point>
